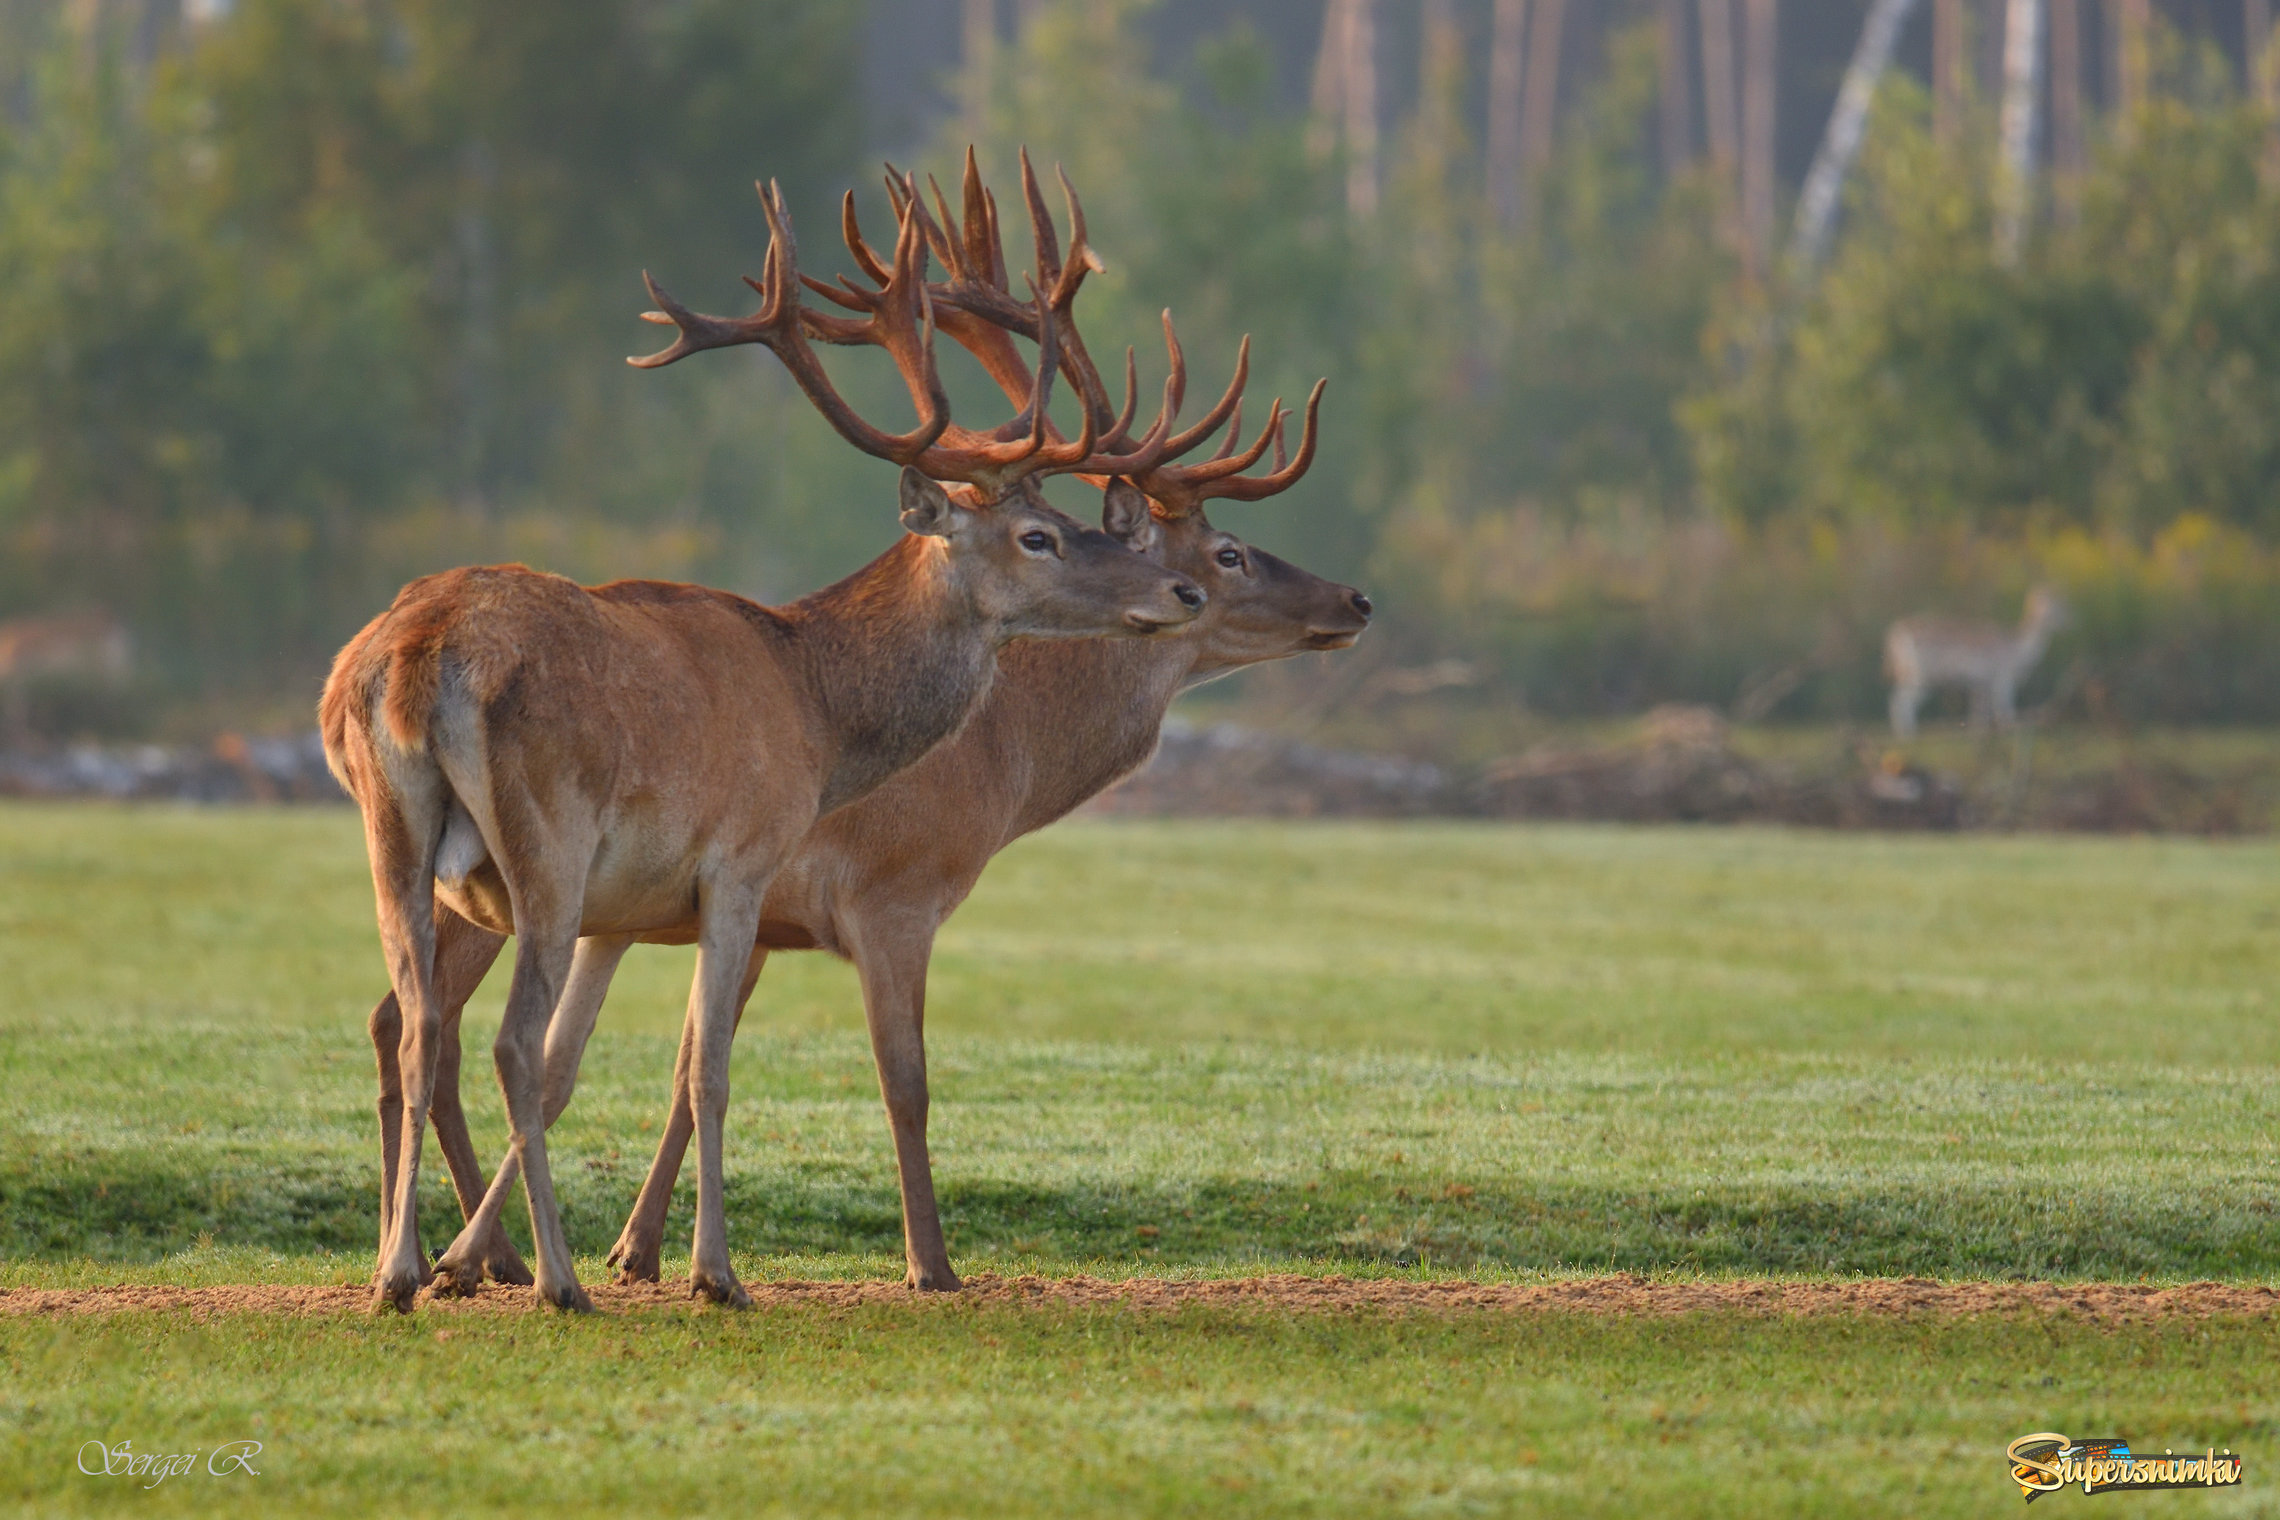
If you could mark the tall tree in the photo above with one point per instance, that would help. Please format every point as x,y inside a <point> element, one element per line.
<point>1677,96</point>
<point>2129,30</point>
<point>1440,90</point>
<point>1951,67</point>
<point>1361,100</point>
<point>1721,112</point>
<point>1540,112</point>
<point>1761,88</point>
<point>1507,56</point>
<point>1345,97</point>
<point>2263,72</point>
<point>2022,79</point>
<point>2069,135</point>
<point>1840,144</point>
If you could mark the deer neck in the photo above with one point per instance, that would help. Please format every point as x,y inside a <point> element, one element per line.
<point>1082,715</point>
<point>898,656</point>
<point>2033,638</point>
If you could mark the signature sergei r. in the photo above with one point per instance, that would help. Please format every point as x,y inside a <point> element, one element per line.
<point>123,1461</point>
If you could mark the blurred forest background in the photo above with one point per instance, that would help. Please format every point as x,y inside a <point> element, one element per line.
<point>300,298</point>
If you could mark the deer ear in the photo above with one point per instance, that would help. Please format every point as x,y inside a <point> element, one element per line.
<point>926,507</point>
<point>1126,516</point>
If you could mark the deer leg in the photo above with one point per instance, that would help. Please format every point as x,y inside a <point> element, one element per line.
<point>401,830</point>
<point>387,1029</point>
<point>546,928</point>
<point>893,965</point>
<point>641,1243</point>
<point>464,953</point>
<point>460,1269</point>
<point>1904,702</point>
<point>729,923</point>
<point>892,962</point>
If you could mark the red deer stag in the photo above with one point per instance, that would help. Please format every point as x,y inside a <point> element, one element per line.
<point>641,758</point>
<point>1064,722</point>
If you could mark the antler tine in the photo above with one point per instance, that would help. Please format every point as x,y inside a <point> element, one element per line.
<point>1081,257</point>
<point>902,189</point>
<point>1156,447</point>
<point>779,325</point>
<point>1230,403</point>
<point>1254,487</point>
<point>853,233</point>
<point>952,256</point>
<point>1179,492</point>
<point>1047,242</point>
<point>1234,432</point>
<point>997,240</point>
<point>973,203</point>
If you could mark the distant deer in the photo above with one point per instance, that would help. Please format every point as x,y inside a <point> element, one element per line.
<point>1987,659</point>
<point>84,645</point>
<point>640,759</point>
<point>1065,721</point>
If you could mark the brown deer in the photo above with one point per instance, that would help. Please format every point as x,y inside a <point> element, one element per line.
<point>1064,722</point>
<point>641,758</point>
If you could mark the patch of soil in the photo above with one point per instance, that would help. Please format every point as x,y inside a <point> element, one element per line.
<point>1623,1294</point>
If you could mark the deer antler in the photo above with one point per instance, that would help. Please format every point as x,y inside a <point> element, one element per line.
<point>777,326</point>
<point>978,311</point>
<point>900,319</point>
<point>977,308</point>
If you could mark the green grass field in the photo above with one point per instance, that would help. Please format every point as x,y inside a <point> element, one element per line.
<point>1208,1048</point>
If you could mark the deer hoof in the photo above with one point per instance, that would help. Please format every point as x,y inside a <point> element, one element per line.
<point>568,1296</point>
<point>456,1278</point>
<point>636,1262</point>
<point>722,1288</point>
<point>504,1264</point>
<point>940,1281</point>
<point>394,1290</point>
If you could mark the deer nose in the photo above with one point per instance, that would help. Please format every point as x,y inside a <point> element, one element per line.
<point>1190,597</point>
<point>1360,603</point>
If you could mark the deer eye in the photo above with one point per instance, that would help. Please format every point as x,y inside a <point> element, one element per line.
<point>1231,558</point>
<point>1036,542</point>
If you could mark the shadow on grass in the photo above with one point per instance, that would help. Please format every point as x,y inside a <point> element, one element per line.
<point>125,1208</point>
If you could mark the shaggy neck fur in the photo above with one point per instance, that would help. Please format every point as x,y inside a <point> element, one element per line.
<point>898,657</point>
<point>1069,763</point>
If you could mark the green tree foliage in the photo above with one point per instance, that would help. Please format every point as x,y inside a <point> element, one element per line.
<point>339,294</point>
<point>342,293</point>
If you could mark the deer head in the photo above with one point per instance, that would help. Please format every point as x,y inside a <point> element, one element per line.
<point>1262,607</point>
<point>1026,567</point>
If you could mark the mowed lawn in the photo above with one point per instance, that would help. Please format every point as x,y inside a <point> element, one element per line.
<point>1194,1048</point>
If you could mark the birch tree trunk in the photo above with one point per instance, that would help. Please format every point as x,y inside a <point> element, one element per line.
<point>1677,96</point>
<point>1840,144</point>
<point>1506,54</point>
<point>2015,178</point>
<point>1760,95</point>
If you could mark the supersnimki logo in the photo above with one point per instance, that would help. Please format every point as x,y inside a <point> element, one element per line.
<point>2046,1462</point>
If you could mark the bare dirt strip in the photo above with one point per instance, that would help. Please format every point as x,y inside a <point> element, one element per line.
<point>1622,1294</point>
